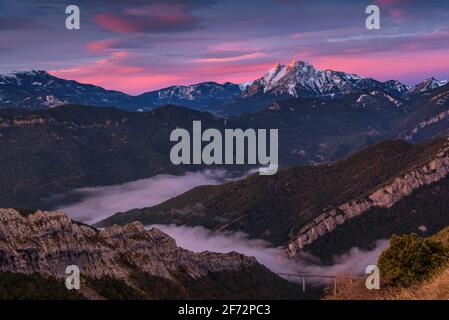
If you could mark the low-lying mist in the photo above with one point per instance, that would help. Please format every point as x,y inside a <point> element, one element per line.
<point>101,202</point>
<point>199,239</point>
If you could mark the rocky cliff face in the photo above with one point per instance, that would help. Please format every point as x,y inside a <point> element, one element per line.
<point>47,242</point>
<point>383,197</point>
<point>123,262</point>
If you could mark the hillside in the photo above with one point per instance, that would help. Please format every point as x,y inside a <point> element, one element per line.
<point>314,207</point>
<point>429,115</point>
<point>53,151</point>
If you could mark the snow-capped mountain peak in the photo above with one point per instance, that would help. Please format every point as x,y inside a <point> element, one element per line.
<point>244,85</point>
<point>17,77</point>
<point>300,78</point>
<point>428,84</point>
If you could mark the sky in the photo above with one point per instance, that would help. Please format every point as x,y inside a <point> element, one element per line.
<point>137,46</point>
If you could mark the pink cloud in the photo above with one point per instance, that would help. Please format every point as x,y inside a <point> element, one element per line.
<point>233,72</point>
<point>120,54</point>
<point>114,23</point>
<point>102,45</point>
<point>159,18</point>
<point>229,59</point>
<point>398,14</point>
<point>122,78</point>
<point>112,72</point>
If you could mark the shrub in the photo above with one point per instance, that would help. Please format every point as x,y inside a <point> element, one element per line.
<point>411,259</point>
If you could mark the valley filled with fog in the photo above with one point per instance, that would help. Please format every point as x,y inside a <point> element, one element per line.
<point>100,202</point>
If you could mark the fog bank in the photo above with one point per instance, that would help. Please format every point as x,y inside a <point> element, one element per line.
<point>101,202</point>
<point>199,239</point>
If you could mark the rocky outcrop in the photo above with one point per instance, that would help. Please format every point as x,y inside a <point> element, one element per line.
<point>385,196</point>
<point>121,262</point>
<point>443,116</point>
<point>47,242</point>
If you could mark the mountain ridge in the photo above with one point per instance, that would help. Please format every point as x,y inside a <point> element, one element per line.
<point>300,78</point>
<point>38,89</point>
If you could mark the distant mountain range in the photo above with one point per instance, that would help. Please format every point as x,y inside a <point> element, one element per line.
<point>38,89</point>
<point>90,146</point>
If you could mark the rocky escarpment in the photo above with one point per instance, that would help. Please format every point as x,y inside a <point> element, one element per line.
<point>383,197</point>
<point>47,242</point>
<point>423,125</point>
